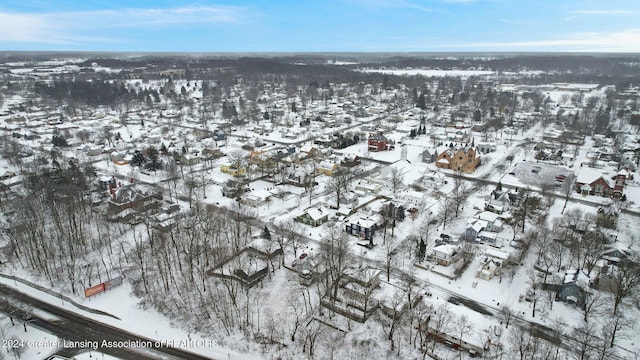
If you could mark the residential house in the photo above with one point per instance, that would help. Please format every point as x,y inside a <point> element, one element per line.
<point>378,142</point>
<point>445,254</point>
<point>590,181</point>
<point>572,290</point>
<point>488,269</point>
<point>492,263</point>
<point>474,228</point>
<point>463,159</point>
<point>232,189</point>
<point>433,179</point>
<point>363,227</point>
<point>308,151</point>
<point>499,200</point>
<point>314,216</point>
<point>348,199</point>
<point>327,167</point>
<point>256,197</point>
<point>232,169</point>
<point>429,155</point>
<point>369,187</point>
<point>613,256</point>
<point>483,225</point>
<point>351,162</point>
<point>130,196</point>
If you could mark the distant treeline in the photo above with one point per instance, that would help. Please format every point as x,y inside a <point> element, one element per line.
<point>93,93</point>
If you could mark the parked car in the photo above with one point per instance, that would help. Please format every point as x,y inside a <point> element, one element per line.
<point>445,236</point>
<point>454,300</point>
<point>536,169</point>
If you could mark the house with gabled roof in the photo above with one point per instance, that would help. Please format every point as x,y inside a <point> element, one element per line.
<point>314,216</point>
<point>445,254</point>
<point>432,179</point>
<point>573,288</point>
<point>378,142</point>
<point>590,181</point>
<point>464,159</point>
<point>327,167</point>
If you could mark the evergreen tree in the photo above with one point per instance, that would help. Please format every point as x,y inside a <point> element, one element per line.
<point>400,213</point>
<point>422,103</point>
<point>266,234</point>
<point>477,115</point>
<point>138,159</point>
<point>421,251</point>
<point>153,163</point>
<point>59,140</point>
<point>163,149</point>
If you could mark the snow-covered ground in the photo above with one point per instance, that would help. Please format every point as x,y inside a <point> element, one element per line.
<point>280,301</point>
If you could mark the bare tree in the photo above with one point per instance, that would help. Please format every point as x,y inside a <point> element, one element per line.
<point>336,257</point>
<point>591,247</point>
<point>584,337</point>
<point>441,323</point>
<point>339,183</point>
<point>396,179</point>
<point>530,208</point>
<point>624,281</point>
<point>446,212</point>
<point>460,193</point>
<point>507,313</point>
<point>463,326</point>
<point>237,159</point>
<point>312,332</point>
<point>610,329</point>
<point>568,188</point>
<point>522,343</point>
<point>392,318</point>
<point>593,305</point>
<point>390,252</point>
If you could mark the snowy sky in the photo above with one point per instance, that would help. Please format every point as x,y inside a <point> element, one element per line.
<point>321,25</point>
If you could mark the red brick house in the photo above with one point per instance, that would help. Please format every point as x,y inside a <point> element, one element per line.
<point>378,142</point>
<point>594,182</point>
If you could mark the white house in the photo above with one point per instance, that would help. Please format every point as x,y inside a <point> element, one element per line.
<point>445,254</point>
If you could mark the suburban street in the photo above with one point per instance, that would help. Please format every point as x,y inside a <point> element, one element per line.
<point>70,326</point>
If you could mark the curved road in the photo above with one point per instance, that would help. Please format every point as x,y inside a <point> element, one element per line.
<point>70,326</point>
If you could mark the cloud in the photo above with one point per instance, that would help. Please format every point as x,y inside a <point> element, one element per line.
<point>68,27</point>
<point>583,13</point>
<point>602,12</point>
<point>399,4</point>
<point>623,41</point>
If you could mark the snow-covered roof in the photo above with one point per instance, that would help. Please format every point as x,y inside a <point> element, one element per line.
<point>487,216</point>
<point>446,249</point>
<point>477,224</point>
<point>497,254</point>
<point>623,172</point>
<point>128,193</point>
<point>363,221</point>
<point>317,213</point>
<point>587,175</point>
